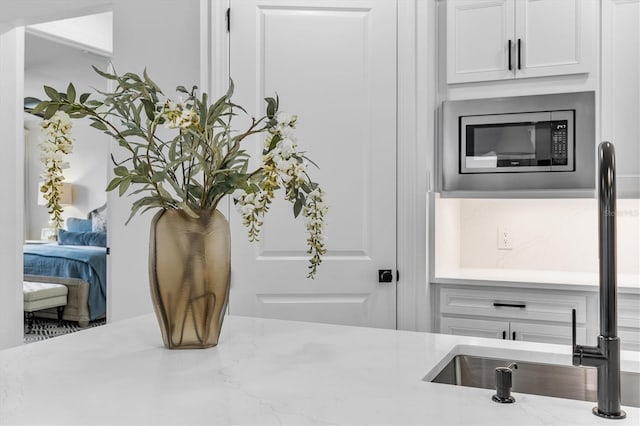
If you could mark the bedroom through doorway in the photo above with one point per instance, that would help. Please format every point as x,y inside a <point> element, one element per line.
<point>65,272</point>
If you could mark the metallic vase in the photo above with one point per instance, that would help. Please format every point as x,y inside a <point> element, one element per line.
<point>189,269</point>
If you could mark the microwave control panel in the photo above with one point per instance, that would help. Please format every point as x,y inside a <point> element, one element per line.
<point>559,143</point>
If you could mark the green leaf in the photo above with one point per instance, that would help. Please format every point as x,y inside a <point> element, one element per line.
<point>104,74</point>
<point>94,103</point>
<point>188,210</point>
<point>40,107</point>
<point>113,184</point>
<point>271,107</point>
<point>150,82</point>
<point>84,97</point>
<point>297,206</point>
<point>71,93</point>
<point>149,109</point>
<point>144,202</point>
<point>124,186</point>
<point>52,93</point>
<point>51,109</point>
<point>121,171</point>
<point>98,125</point>
<point>158,177</point>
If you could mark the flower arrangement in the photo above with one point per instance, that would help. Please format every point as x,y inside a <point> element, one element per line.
<point>56,143</point>
<point>203,161</point>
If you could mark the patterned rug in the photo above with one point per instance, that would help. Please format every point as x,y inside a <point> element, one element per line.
<point>48,328</point>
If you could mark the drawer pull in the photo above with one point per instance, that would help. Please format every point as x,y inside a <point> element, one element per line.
<point>509,305</point>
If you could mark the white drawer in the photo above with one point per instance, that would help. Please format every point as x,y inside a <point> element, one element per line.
<point>548,306</point>
<point>629,310</point>
<point>629,340</point>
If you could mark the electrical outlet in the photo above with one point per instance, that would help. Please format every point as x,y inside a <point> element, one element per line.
<point>504,239</point>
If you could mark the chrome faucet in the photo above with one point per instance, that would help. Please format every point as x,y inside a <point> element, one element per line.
<point>606,355</point>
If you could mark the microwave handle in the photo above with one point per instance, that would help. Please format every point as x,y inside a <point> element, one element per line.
<point>509,50</point>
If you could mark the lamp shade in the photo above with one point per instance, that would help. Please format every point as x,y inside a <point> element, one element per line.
<point>66,195</point>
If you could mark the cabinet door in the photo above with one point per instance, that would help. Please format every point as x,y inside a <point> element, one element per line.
<point>478,35</point>
<point>621,90</point>
<point>531,332</point>
<point>554,37</point>
<point>475,328</point>
<point>629,321</point>
<point>629,339</point>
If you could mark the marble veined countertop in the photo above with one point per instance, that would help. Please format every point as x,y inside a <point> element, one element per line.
<point>627,283</point>
<point>267,372</point>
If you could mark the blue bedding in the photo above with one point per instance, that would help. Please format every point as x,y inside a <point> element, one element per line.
<point>85,262</point>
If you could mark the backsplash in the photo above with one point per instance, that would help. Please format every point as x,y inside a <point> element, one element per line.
<point>544,234</point>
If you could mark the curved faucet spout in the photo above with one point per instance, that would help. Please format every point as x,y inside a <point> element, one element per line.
<point>606,355</point>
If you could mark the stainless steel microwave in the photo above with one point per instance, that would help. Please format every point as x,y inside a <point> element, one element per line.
<point>542,145</point>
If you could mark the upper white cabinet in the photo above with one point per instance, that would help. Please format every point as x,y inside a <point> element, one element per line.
<point>507,39</point>
<point>620,93</point>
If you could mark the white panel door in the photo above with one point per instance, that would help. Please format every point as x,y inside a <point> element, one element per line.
<point>479,33</point>
<point>554,37</point>
<point>333,63</point>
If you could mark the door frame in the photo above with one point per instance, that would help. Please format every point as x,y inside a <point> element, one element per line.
<point>416,99</point>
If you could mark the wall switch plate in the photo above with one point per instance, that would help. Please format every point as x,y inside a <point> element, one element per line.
<point>504,239</point>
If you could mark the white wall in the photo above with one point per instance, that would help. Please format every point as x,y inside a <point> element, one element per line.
<point>11,186</point>
<point>555,235</point>
<point>55,65</point>
<point>163,36</point>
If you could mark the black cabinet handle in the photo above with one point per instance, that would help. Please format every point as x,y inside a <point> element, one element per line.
<point>519,54</point>
<point>573,329</point>
<point>509,305</point>
<point>509,50</point>
<point>504,335</point>
<point>513,336</point>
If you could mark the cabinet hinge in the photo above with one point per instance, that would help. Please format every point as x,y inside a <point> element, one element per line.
<point>108,250</point>
<point>397,275</point>
<point>228,19</point>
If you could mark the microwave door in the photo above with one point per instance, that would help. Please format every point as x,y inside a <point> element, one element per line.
<point>503,143</point>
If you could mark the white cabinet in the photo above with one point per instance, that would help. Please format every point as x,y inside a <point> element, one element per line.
<point>511,330</point>
<point>507,39</point>
<point>629,321</point>
<point>529,314</point>
<point>474,327</point>
<point>514,314</point>
<point>621,90</point>
<point>478,36</point>
<point>541,333</point>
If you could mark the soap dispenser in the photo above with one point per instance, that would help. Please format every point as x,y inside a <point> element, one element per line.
<point>504,382</point>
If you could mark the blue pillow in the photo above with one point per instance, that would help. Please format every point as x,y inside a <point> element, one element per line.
<point>68,238</point>
<point>75,224</point>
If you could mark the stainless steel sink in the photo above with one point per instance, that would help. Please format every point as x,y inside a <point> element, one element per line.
<point>561,381</point>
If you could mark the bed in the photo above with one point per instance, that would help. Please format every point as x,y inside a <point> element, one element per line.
<point>78,260</point>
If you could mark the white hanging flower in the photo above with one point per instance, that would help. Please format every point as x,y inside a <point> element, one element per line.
<point>179,115</point>
<point>285,167</point>
<point>56,143</point>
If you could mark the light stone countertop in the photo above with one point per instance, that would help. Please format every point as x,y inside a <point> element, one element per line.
<point>626,283</point>
<point>270,372</point>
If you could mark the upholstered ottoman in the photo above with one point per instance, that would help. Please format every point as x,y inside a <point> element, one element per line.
<point>38,296</point>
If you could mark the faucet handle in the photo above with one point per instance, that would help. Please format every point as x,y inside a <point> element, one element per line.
<point>576,350</point>
<point>573,329</point>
